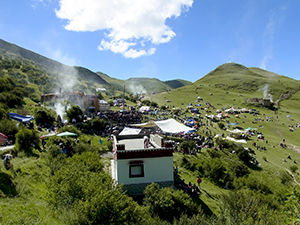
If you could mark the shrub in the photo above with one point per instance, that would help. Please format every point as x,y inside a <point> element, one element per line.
<point>27,140</point>
<point>221,125</point>
<point>8,127</point>
<point>293,168</point>
<point>45,116</point>
<point>285,177</point>
<point>168,203</point>
<point>82,188</point>
<point>265,159</point>
<point>74,112</point>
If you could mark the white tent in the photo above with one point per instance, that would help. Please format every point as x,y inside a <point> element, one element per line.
<point>144,109</point>
<point>130,131</point>
<point>168,126</point>
<point>241,141</point>
<point>172,126</point>
<point>236,131</point>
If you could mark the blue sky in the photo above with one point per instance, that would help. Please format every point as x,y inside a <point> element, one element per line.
<point>164,39</point>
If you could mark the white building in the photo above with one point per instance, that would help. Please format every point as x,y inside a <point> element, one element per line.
<point>139,161</point>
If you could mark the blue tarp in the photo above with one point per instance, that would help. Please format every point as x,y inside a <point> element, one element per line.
<point>20,118</point>
<point>233,124</point>
<point>195,110</point>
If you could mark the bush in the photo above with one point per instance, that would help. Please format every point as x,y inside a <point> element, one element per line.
<point>27,140</point>
<point>45,116</point>
<point>8,127</point>
<point>249,208</point>
<point>82,188</point>
<point>168,203</point>
<point>71,129</point>
<point>221,125</point>
<point>216,170</point>
<point>285,177</point>
<point>74,112</point>
<point>187,145</point>
<point>293,168</point>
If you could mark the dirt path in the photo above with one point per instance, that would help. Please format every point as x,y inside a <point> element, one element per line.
<point>285,96</point>
<point>294,147</point>
<point>293,176</point>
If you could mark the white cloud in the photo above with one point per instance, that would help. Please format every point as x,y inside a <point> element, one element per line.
<point>276,17</point>
<point>130,23</point>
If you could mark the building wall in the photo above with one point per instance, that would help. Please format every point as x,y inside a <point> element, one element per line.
<point>155,170</point>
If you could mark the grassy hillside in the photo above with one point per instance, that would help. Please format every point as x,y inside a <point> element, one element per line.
<point>44,74</point>
<point>48,187</point>
<point>144,85</point>
<point>231,85</point>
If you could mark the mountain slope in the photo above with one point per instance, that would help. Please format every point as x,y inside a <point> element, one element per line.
<point>62,74</point>
<point>144,85</point>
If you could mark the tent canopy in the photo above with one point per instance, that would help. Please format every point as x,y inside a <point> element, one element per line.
<point>168,126</point>
<point>172,126</point>
<point>66,134</point>
<point>20,118</point>
<point>241,141</point>
<point>144,109</point>
<point>130,131</point>
<point>3,136</point>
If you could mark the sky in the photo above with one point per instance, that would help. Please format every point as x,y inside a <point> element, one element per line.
<point>164,39</point>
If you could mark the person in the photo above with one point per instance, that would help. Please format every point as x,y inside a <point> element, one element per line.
<point>199,182</point>
<point>43,143</point>
<point>89,141</point>
<point>176,170</point>
<point>7,158</point>
<point>101,142</point>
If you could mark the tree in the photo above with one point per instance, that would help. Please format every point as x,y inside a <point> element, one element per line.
<point>74,112</point>
<point>8,127</point>
<point>249,208</point>
<point>44,116</point>
<point>168,203</point>
<point>153,104</point>
<point>27,140</point>
<point>163,107</point>
<point>82,188</point>
<point>146,102</point>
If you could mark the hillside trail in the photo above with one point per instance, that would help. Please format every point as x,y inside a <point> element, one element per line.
<point>294,147</point>
<point>285,96</point>
<point>292,176</point>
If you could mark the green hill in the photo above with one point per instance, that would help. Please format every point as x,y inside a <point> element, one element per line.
<point>47,187</point>
<point>44,74</point>
<point>144,85</point>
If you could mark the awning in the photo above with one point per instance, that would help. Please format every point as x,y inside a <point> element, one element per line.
<point>3,136</point>
<point>66,134</point>
<point>20,118</point>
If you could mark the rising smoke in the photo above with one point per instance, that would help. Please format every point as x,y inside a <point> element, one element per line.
<point>135,87</point>
<point>267,95</point>
<point>67,82</point>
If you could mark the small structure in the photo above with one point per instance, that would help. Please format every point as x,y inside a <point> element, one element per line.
<point>103,105</point>
<point>88,102</point>
<point>266,102</point>
<point>145,109</point>
<point>119,102</point>
<point>3,139</point>
<point>140,160</point>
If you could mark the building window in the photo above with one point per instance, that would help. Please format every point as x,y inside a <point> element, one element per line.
<point>136,170</point>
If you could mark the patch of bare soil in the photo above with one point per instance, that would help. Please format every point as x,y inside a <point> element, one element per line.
<point>294,147</point>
